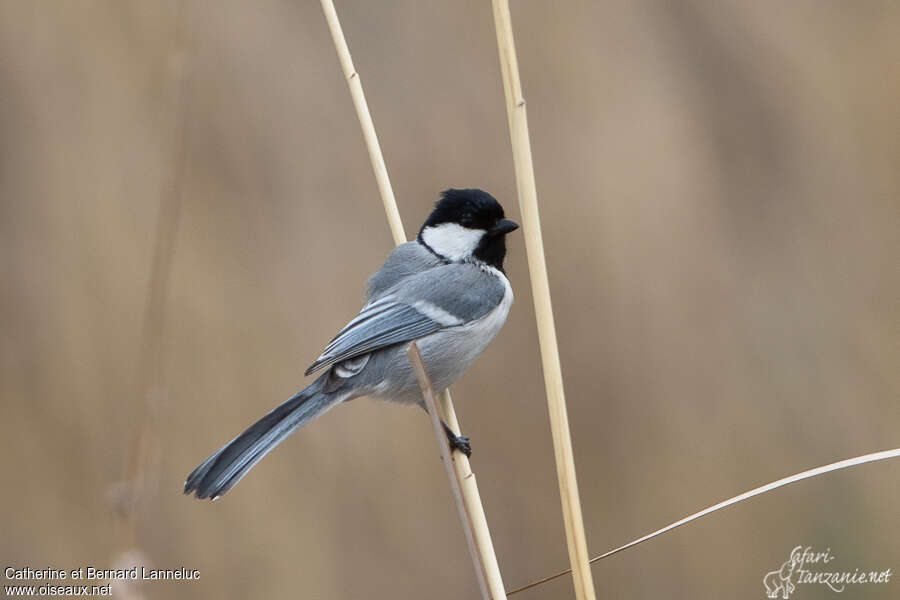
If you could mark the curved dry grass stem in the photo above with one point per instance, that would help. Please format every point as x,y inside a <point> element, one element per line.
<point>465,478</point>
<point>540,287</point>
<point>843,464</point>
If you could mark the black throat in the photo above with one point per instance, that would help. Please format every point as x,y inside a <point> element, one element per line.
<point>491,250</point>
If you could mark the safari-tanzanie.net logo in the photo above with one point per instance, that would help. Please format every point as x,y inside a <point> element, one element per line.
<point>806,566</point>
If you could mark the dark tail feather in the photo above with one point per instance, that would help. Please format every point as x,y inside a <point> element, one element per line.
<point>221,471</point>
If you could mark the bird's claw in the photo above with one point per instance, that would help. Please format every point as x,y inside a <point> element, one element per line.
<point>461,443</point>
<point>458,442</point>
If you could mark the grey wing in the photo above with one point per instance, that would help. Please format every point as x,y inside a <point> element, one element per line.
<point>381,323</point>
<point>445,296</point>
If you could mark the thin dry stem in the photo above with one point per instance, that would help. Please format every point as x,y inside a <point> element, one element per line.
<point>843,464</point>
<point>537,267</point>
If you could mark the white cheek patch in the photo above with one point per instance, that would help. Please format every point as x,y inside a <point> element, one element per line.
<point>452,241</point>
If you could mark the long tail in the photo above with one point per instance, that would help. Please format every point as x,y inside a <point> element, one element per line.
<point>221,471</point>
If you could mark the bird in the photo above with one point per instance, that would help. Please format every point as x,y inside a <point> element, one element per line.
<point>446,291</point>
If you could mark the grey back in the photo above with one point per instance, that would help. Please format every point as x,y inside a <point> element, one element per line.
<point>405,260</point>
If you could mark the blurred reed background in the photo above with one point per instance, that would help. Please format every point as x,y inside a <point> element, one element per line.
<point>719,185</point>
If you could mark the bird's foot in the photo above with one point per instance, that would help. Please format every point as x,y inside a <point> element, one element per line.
<point>458,442</point>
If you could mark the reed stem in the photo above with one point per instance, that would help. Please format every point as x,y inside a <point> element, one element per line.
<point>540,287</point>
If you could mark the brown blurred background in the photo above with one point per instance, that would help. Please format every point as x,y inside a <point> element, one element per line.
<point>719,186</point>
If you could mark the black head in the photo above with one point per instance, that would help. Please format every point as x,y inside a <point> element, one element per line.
<point>467,224</point>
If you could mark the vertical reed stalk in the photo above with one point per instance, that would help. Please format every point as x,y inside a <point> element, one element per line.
<point>559,421</point>
<point>468,487</point>
<point>139,477</point>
